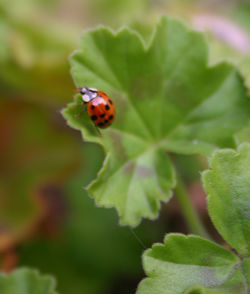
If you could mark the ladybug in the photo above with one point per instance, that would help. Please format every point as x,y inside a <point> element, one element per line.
<point>100,107</point>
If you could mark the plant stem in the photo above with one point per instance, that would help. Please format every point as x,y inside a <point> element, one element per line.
<point>192,218</point>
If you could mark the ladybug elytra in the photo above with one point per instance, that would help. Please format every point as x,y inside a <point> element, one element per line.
<point>100,107</point>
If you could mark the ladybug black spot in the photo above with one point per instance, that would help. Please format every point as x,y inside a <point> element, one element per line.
<point>94,117</point>
<point>111,117</point>
<point>100,124</point>
<point>92,107</point>
<point>107,107</point>
<point>106,121</point>
<point>110,102</point>
<point>102,115</point>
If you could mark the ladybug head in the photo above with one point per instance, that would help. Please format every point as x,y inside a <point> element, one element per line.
<point>82,90</point>
<point>88,94</point>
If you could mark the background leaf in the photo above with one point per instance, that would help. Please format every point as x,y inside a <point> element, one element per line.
<point>228,188</point>
<point>167,99</point>
<point>243,136</point>
<point>34,155</point>
<point>244,67</point>
<point>172,267</point>
<point>26,281</point>
<point>183,261</point>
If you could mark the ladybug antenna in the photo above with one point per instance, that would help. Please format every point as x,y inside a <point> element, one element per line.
<point>81,90</point>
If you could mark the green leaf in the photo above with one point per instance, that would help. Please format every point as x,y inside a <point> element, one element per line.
<point>242,136</point>
<point>246,271</point>
<point>244,67</point>
<point>203,290</point>
<point>227,185</point>
<point>192,265</point>
<point>237,283</point>
<point>26,281</point>
<point>167,99</point>
<point>183,262</point>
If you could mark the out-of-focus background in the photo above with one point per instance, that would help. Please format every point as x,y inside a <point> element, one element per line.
<point>47,220</point>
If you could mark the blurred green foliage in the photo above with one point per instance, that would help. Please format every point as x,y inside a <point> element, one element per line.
<point>95,251</point>
<point>33,63</point>
<point>46,217</point>
<point>241,14</point>
<point>34,153</point>
<point>118,12</point>
<point>26,281</point>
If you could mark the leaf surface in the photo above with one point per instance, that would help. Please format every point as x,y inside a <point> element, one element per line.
<point>227,185</point>
<point>183,262</point>
<point>167,99</point>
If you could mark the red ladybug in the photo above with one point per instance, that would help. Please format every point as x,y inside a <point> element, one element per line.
<point>100,107</point>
